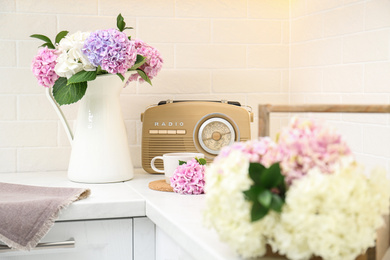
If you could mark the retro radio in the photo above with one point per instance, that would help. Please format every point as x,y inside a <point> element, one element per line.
<point>192,126</point>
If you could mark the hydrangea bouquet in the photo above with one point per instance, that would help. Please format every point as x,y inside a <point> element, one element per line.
<point>303,195</point>
<point>73,60</point>
<point>188,178</point>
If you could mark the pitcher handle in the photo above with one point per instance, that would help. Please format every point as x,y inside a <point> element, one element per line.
<point>60,114</point>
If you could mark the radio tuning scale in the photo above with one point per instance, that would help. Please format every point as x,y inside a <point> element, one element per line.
<point>215,133</point>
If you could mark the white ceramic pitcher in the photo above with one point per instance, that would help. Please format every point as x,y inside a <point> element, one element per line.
<point>100,151</point>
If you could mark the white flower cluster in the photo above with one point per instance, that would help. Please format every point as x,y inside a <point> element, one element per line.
<point>228,212</point>
<point>334,216</point>
<point>71,59</point>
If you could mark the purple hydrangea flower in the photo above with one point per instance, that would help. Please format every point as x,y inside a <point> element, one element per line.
<point>110,49</point>
<point>153,63</point>
<point>188,178</point>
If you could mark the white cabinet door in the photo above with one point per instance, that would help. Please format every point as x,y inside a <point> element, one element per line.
<point>144,232</point>
<point>94,239</point>
<point>168,249</point>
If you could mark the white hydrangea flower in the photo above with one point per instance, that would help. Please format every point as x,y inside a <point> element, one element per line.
<point>331,210</point>
<point>227,210</point>
<point>334,216</point>
<point>71,58</point>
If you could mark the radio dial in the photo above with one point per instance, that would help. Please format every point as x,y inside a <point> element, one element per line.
<point>214,134</point>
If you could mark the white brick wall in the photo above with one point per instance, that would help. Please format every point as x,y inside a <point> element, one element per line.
<point>252,51</point>
<point>340,54</point>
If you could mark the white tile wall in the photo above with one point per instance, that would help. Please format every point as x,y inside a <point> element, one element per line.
<point>366,46</point>
<point>252,51</point>
<point>8,53</point>
<point>377,15</point>
<point>340,54</point>
<point>8,160</point>
<point>344,20</point>
<point>256,31</point>
<point>375,77</point>
<point>60,7</point>
<point>344,78</point>
<point>211,8</point>
<point>186,30</point>
<point>210,56</point>
<point>37,159</point>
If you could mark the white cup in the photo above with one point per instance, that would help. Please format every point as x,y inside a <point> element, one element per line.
<point>171,162</point>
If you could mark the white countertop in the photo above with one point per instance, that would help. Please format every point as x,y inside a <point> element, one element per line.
<point>179,216</point>
<point>114,200</point>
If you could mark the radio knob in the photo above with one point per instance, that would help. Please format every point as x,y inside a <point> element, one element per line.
<point>216,136</point>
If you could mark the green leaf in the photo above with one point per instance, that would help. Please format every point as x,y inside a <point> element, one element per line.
<point>100,71</point>
<point>276,203</point>
<point>268,190</point>
<point>182,162</point>
<point>120,22</point>
<point>61,35</point>
<point>49,45</point>
<point>255,172</point>
<point>258,212</point>
<point>144,76</point>
<point>66,94</point>
<point>271,177</point>
<point>265,198</point>
<point>60,82</point>
<point>44,38</point>
<point>82,76</point>
<point>139,62</point>
<point>120,76</point>
<point>41,37</point>
<point>201,161</point>
<point>253,193</point>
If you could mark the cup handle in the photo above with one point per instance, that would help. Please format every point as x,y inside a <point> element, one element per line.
<point>154,167</point>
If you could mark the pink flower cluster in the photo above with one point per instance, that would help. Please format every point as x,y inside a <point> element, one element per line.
<point>188,178</point>
<point>306,144</point>
<point>303,145</point>
<point>153,63</point>
<point>264,151</point>
<point>43,65</point>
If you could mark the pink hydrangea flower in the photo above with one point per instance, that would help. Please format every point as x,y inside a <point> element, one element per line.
<point>302,146</point>
<point>188,178</point>
<point>43,65</point>
<point>263,151</point>
<point>306,144</point>
<point>153,63</point>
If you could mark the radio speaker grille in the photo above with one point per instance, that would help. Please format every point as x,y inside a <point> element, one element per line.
<point>157,146</point>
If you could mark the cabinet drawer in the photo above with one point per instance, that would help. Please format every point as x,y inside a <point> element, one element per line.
<point>94,239</point>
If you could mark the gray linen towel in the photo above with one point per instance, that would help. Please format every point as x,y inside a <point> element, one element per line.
<point>28,212</point>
